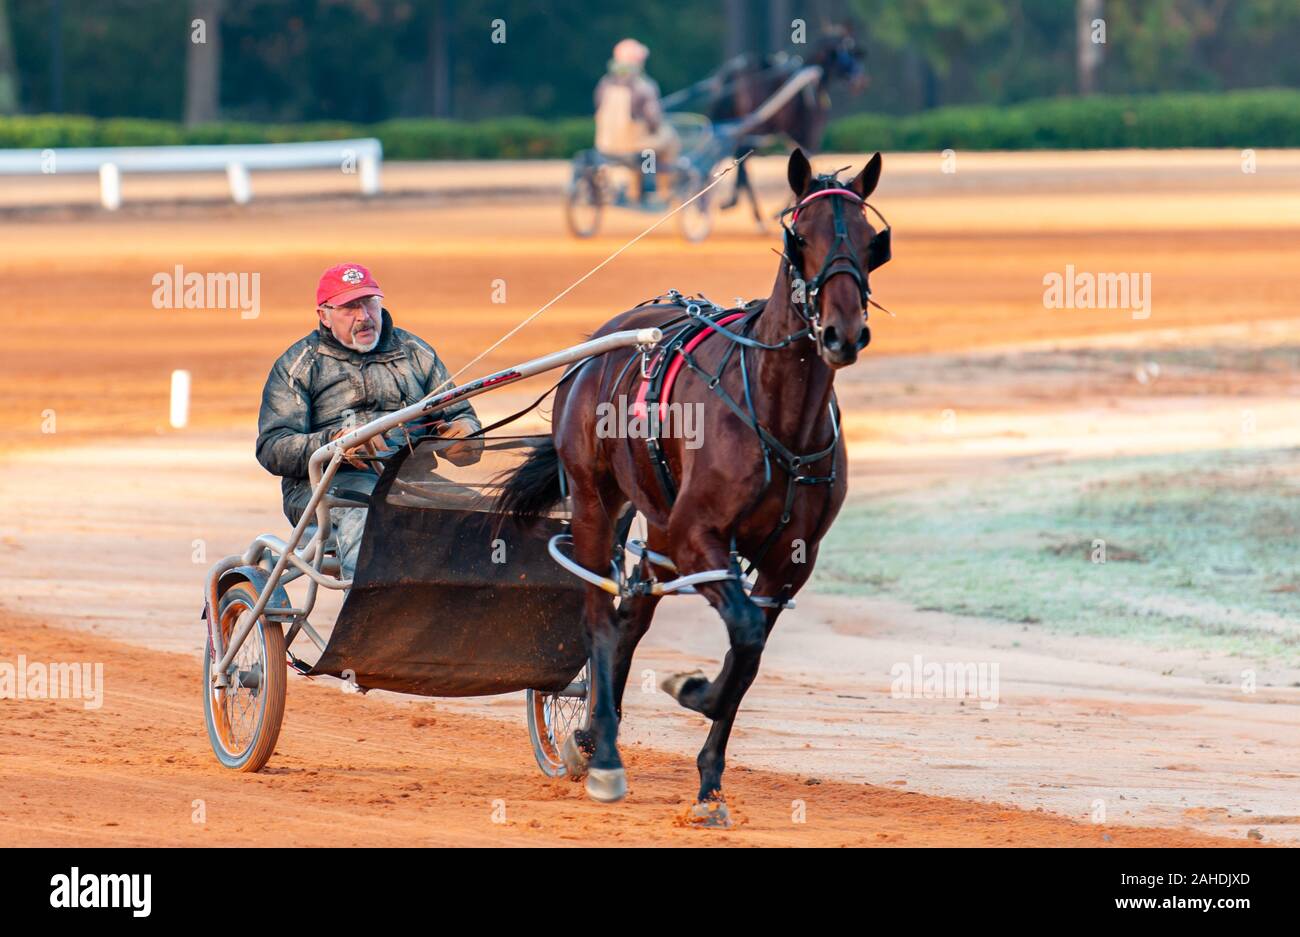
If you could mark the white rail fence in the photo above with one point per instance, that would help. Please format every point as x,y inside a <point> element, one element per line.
<point>361,157</point>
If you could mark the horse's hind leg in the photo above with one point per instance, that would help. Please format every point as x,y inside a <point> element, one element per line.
<point>754,207</point>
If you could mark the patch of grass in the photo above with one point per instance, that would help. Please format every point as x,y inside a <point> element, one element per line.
<point>1194,550</point>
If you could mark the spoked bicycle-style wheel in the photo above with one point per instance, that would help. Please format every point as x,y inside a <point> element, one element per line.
<point>244,717</point>
<point>695,221</point>
<point>553,717</point>
<point>584,203</point>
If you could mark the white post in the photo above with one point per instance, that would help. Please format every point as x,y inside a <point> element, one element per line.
<point>180,410</point>
<point>110,186</point>
<point>241,186</point>
<point>369,174</point>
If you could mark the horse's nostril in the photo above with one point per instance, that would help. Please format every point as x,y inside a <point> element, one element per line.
<point>864,338</point>
<point>831,338</point>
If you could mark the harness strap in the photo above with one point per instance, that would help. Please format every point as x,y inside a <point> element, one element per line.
<point>679,348</point>
<point>787,460</point>
<point>683,345</point>
<point>753,342</point>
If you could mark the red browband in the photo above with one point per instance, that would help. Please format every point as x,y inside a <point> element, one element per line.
<point>818,194</point>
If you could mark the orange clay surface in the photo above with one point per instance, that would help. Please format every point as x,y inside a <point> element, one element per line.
<point>111,517</point>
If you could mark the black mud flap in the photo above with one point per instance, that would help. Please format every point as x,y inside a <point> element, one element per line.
<point>446,604</point>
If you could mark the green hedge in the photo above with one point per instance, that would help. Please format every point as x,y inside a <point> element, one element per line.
<point>500,138</point>
<point>1234,119</point>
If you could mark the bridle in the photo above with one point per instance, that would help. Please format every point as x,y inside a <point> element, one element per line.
<point>841,259</point>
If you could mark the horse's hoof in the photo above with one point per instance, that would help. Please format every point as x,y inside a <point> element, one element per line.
<point>575,759</point>
<point>711,815</point>
<point>673,683</point>
<point>607,785</point>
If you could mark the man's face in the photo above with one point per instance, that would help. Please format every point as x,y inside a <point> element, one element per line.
<point>355,324</point>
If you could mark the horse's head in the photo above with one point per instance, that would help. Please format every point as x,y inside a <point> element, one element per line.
<point>831,248</point>
<point>841,58</point>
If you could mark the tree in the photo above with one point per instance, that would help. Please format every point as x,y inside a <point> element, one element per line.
<point>8,71</point>
<point>778,25</point>
<point>438,63</point>
<point>736,15</point>
<point>938,33</point>
<point>1089,51</point>
<point>203,62</point>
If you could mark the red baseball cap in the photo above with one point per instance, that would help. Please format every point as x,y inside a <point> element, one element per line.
<point>343,283</point>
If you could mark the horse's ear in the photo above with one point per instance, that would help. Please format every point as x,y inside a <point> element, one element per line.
<point>799,172</point>
<point>866,181</point>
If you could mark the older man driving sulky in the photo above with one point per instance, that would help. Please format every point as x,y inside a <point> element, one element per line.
<point>353,368</point>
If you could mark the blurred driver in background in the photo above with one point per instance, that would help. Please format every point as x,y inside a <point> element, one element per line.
<point>629,119</point>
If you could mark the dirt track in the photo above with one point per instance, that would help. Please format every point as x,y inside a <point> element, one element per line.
<point>350,772</point>
<point>134,496</point>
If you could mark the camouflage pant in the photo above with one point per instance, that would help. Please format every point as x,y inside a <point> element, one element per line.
<point>349,524</point>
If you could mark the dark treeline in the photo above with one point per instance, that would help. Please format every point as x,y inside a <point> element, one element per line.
<point>369,60</point>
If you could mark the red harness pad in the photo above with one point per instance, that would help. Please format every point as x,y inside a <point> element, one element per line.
<point>639,407</point>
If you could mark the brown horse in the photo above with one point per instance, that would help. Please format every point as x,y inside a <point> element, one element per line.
<point>749,80</point>
<point>764,483</point>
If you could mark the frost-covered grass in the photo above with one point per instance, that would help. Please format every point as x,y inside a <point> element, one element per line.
<point>1202,549</point>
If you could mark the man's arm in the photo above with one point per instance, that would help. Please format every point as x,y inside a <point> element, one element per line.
<point>457,419</point>
<point>284,440</point>
<point>437,377</point>
<point>645,105</point>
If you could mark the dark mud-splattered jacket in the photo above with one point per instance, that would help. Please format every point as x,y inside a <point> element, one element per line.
<point>320,386</point>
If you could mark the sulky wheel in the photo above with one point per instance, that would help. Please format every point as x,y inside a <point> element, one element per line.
<point>244,717</point>
<point>695,221</point>
<point>584,203</point>
<point>553,717</point>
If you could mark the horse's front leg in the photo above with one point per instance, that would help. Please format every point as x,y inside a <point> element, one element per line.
<point>634,616</point>
<point>593,538</point>
<point>710,808</point>
<point>719,698</point>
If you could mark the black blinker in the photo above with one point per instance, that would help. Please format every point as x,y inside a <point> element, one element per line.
<point>880,250</point>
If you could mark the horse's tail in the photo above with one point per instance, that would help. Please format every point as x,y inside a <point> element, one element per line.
<point>530,490</point>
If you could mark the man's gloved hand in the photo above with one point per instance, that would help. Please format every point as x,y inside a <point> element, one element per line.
<point>466,452</point>
<point>370,447</point>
